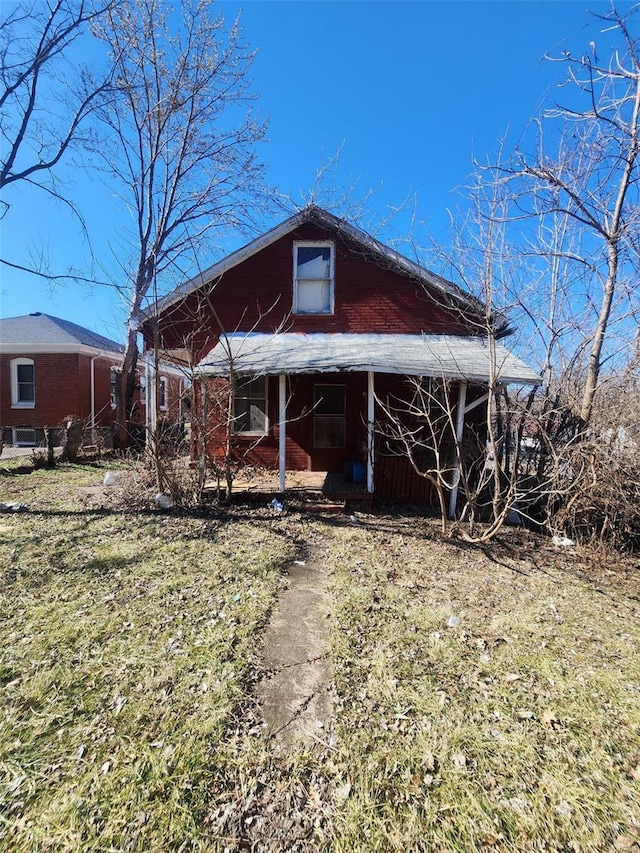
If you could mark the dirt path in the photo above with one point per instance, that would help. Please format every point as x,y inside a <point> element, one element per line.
<point>294,694</point>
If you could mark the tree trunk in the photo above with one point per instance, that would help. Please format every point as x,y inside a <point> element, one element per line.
<point>126,390</point>
<point>593,367</point>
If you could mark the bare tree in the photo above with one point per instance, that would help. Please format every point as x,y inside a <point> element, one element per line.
<point>47,97</point>
<point>565,478</point>
<point>182,156</point>
<point>465,439</point>
<point>587,176</point>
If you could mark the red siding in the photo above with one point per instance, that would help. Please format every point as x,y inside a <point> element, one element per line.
<point>301,455</point>
<point>397,481</point>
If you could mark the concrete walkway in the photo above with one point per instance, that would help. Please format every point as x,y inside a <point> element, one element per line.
<point>294,694</point>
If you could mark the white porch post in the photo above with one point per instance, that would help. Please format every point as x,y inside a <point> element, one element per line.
<point>282,430</point>
<point>462,402</point>
<point>370,417</point>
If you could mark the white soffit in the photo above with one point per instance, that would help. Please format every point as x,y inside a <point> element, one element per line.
<point>444,356</point>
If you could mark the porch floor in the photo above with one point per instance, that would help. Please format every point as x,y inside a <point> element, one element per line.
<point>325,485</point>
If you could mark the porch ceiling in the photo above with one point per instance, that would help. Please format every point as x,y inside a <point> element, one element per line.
<point>442,356</point>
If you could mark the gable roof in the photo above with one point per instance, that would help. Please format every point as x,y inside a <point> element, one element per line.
<point>375,250</point>
<point>440,356</point>
<point>35,331</point>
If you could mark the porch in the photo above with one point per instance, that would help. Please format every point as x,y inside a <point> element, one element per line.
<point>325,390</point>
<point>328,489</point>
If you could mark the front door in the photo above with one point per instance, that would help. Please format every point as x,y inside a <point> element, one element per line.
<point>329,426</point>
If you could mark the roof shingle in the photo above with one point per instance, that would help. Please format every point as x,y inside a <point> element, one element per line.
<point>43,329</point>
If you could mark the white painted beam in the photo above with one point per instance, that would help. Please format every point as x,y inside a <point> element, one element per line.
<point>462,400</point>
<point>370,421</point>
<point>282,430</point>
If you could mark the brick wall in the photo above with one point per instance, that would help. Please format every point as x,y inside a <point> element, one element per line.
<point>175,404</point>
<point>258,293</point>
<point>301,455</point>
<point>62,388</point>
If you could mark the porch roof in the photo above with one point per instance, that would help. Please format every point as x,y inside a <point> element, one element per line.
<point>442,356</point>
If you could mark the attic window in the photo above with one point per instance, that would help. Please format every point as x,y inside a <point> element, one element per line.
<point>313,278</point>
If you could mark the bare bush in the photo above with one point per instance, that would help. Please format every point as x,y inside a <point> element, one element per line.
<point>475,459</point>
<point>170,471</point>
<point>595,479</point>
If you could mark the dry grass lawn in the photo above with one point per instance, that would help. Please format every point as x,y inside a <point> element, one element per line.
<point>486,699</point>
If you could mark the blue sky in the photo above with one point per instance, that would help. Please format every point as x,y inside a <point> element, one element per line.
<point>407,92</point>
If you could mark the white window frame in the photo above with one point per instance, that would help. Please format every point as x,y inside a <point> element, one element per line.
<point>16,403</point>
<point>163,394</point>
<point>113,386</point>
<point>253,433</point>
<point>314,244</point>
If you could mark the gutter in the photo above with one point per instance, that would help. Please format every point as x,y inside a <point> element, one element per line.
<point>94,358</point>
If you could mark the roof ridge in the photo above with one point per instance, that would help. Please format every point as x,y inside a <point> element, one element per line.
<point>312,213</point>
<point>62,322</point>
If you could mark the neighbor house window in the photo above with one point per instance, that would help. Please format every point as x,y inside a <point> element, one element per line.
<point>313,278</point>
<point>113,387</point>
<point>163,393</point>
<point>23,383</point>
<point>329,416</point>
<point>250,406</point>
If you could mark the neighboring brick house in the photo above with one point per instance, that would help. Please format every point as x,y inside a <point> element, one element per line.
<point>52,369</point>
<point>312,321</point>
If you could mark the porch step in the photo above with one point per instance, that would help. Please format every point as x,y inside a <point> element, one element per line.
<point>321,507</point>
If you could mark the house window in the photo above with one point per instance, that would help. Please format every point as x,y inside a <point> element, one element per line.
<point>313,278</point>
<point>250,406</point>
<point>329,416</point>
<point>113,387</point>
<point>163,393</point>
<point>23,383</point>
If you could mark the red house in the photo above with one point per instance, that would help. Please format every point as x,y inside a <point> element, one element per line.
<point>311,323</point>
<point>51,369</point>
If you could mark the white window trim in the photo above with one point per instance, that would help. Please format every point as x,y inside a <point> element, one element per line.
<point>113,388</point>
<point>163,393</point>
<point>314,244</point>
<point>15,402</point>
<point>255,433</point>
